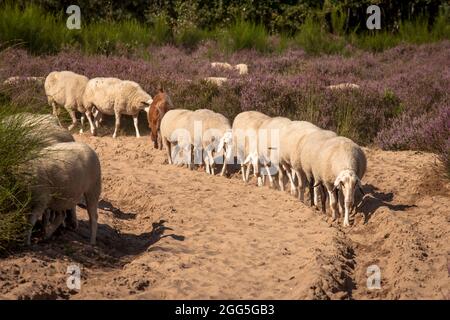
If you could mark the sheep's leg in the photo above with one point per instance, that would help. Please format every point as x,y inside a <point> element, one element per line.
<point>247,173</point>
<point>55,108</point>
<point>72,218</point>
<point>341,202</point>
<point>116,129</point>
<point>291,179</point>
<point>98,118</point>
<point>269,175</point>
<point>224,166</point>
<point>333,203</point>
<point>88,114</point>
<point>317,192</point>
<point>323,198</point>
<point>159,139</point>
<point>92,203</point>
<point>167,144</point>
<point>311,192</point>
<point>348,207</point>
<point>207,165</point>
<point>210,161</point>
<point>281,175</point>
<point>135,121</point>
<point>243,172</point>
<point>32,218</point>
<point>74,119</point>
<point>82,124</point>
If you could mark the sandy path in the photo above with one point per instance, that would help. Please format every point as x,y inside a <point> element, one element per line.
<point>168,232</point>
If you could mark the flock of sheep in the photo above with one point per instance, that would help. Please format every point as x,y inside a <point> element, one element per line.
<point>69,172</point>
<point>329,165</point>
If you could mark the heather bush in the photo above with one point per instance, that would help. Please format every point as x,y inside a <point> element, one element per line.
<point>398,86</point>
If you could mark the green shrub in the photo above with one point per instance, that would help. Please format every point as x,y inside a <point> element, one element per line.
<point>313,38</point>
<point>244,35</point>
<point>39,31</point>
<point>20,142</point>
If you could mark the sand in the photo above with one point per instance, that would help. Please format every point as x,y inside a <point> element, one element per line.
<point>166,232</point>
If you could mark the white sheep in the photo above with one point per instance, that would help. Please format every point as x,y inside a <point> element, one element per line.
<point>113,96</point>
<point>216,136</point>
<point>66,88</point>
<point>310,147</point>
<point>242,68</point>
<point>218,81</point>
<point>60,177</point>
<point>177,130</point>
<point>291,137</point>
<point>16,80</point>
<point>269,145</point>
<point>342,86</point>
<point>340,165</point>
<point>222,65</point>
<point>245,139</point>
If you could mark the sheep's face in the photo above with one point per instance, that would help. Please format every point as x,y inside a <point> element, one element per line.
<point>347,181</point>
<point>146,104</point>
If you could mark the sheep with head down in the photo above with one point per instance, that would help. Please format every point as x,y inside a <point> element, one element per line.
<point>310,147</point>
<point>216,136</point>
<point>177,133</point>
<point>269,146</point>
<point>245,140</point>
<point>291,137</point>
<point>59,178</point>
<point>340,167</point>
<point>113,96</point>
<point>66,88</point>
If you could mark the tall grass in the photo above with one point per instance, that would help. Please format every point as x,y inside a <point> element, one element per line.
<point>105,37</point>
<point>313,38</point>
<point>20,142</point>
<point>244,35</point>
<point>40,32</point>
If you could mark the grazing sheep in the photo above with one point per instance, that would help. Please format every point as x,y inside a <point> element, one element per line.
<point>160,105</point>
<point>177,129</point>
<point>113,96</point>
<point>245,138</point>
<point>66,88</point>
<point>219,81</point>
<point>340,166</point>
<point>47,127</point>
<point>310,147</point>
<point>216,136</point>
<point>64,174</point>
<point>242,68</point>
<point>290,136</point>
<point>16,80</point>
<point>343,86</point>
<point>269,145</point>
<point>222,65</point>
